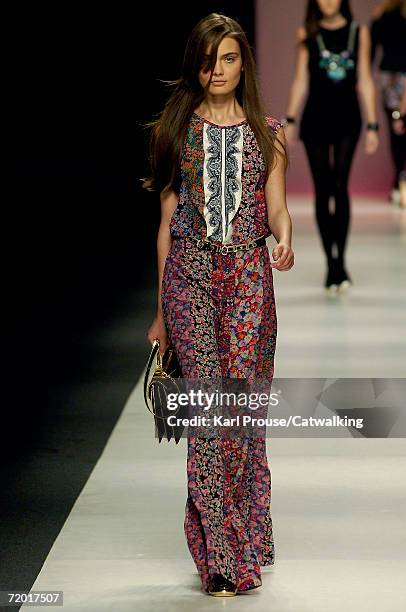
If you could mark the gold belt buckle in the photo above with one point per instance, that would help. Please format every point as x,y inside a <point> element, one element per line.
<point>232,248</point>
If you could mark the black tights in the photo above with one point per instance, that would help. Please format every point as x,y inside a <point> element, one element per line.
<point>331,179</point>
<point>398,149</point>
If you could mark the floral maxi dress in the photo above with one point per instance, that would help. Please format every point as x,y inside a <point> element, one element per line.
<point>220,315</point>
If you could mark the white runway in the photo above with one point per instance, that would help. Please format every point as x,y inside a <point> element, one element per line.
<point>338,505</point>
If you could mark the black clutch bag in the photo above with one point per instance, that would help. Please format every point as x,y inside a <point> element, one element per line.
<point>160,379</point>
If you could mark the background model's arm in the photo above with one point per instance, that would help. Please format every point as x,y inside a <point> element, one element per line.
<point>300,83</point>
<point>366,85</point>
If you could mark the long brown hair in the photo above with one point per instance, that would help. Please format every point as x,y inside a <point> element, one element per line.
<point>386,6</point>
<point>169,129</point>
<point>314,14</point>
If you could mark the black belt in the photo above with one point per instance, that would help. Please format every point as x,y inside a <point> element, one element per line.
<point>206,243</point>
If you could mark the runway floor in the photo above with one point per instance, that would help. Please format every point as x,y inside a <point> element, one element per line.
<point>338,505</point>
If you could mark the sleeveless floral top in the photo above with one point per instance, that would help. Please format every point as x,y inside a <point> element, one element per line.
<point>222,184</point>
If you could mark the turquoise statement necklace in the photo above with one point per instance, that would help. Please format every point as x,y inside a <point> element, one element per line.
<point>337,64</point>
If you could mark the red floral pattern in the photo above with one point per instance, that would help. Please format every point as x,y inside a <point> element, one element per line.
<point>220,315</point>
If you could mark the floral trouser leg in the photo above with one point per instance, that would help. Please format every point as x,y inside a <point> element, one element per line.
<point>220,313</point>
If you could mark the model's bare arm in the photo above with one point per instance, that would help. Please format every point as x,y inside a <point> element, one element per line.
<point>300,83</point>
<point>366,87</point>
<point>169,203</point>
<point>279,219</point>
<point>398,125</point>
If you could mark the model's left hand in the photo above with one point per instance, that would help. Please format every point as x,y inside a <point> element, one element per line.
<point>283,256</point>
<point>371,142</point>
<point>398,127</point>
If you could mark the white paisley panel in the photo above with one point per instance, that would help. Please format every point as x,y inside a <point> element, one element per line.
<point>222,168</point>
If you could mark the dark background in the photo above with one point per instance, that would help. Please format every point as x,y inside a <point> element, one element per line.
<point>79,245</point>
<point>81,232</point>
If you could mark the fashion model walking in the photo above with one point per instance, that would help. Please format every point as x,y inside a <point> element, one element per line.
<point>388,31</point>
<point>332,66</point>
<point>219,164</point>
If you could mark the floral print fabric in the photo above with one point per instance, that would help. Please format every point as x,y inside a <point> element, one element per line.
<point>220,316</point>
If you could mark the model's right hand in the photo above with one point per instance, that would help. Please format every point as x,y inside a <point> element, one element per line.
<point>371,142</point>
<point>158,330</point>
<point>398,126</point>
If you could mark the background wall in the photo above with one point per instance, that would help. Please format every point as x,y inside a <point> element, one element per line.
<point>80,233</point>
<point>276,25</point>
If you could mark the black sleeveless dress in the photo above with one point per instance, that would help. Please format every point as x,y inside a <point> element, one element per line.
<point>332,108</point>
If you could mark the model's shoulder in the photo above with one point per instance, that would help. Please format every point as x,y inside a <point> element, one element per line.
<point>274,123</point>
<point>378,10</point>
<point>301,34</point>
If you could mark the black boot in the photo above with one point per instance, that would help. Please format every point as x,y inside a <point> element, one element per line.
<point>221,587</point>
<point>331,282</point>
<point>342,277</point>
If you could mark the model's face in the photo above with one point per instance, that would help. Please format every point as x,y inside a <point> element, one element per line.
<point>329,8</point>
<point>227,71</point>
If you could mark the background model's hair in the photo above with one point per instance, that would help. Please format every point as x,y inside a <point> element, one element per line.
<point>314,14</point>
